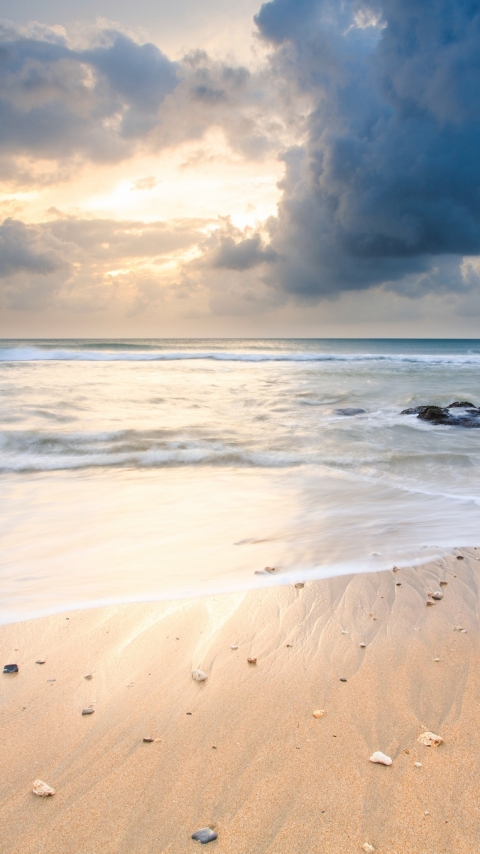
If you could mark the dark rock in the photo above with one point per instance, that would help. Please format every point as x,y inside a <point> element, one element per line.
<point>88,711</point>
<point>460,557</point>
<point>148,740</point>
<point>10,668</point>
<point>350,410</point>
<point>456,414</point>
<point>40,661</point>
<point>342,679</point>
<point>206,834</point>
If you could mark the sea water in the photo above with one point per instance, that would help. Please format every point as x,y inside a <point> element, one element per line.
<point>136,470</point>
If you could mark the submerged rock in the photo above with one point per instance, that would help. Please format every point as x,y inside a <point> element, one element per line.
<point>350,410</point>
<point>41,789</point>
<point>460,413</point>
<point>199,676</point>
<point>10,668</point>
<point>380,758</point>
<point>206,834</point>
<point>429,739</point>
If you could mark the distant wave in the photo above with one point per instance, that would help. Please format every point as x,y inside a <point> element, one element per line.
<point>36,354</point>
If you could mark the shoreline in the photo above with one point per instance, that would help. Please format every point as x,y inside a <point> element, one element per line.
<point>250,757</point>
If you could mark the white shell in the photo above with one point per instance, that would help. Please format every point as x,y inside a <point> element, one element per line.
<point>199,675</point>
<point>380,758</point>
<point>429,739</point>
<point>234,646</point>
<point>368,848</point>
<point>42,789</point>
<point>417,764</point>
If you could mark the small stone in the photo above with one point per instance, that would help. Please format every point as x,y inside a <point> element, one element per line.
<point>41,789</point>
<point>199,676</point>
<point>395,569</point>
<point>406,750</point>
<point>417,764</point>
<point>457,629</point>
<point>344,632</point>
<point>429,739</point>
<point>380,758</point>
<point>318,713</point>
<point>368,848</point>
<point>252,660</point>
<point>426,812</point>
<point>270,569</point>
<point>40,661</point>
<point>463,631</point>
<point>88,711</point>
<point>51,680</point>
<point>299,585</point>
<point>289,645</point>
<point>430,604</point>
<point>148,740</point>
<point>437,595</point>
<point>88,676</point>
<point>398,584</point>
<point>206,834</point>
<point>342,679</point>
<point>436,659</point>
<point>363,645</point>
<point>443,583</point>
<point>234,646</point>
<point>10,668</point>
<point>460,557</point>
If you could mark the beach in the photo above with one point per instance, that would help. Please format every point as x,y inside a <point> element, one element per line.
<point>242,751</point>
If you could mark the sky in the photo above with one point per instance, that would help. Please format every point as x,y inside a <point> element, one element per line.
<point>219,168</point>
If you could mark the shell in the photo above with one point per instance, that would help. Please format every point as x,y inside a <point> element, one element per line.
<point>41,789</point>
<point>437,595</point>
<point>234,646</point>
<point>380,758</point>
<point>429,739</point>
<point>199,675</point>
<point>318,713</point>
<point>368,848</point>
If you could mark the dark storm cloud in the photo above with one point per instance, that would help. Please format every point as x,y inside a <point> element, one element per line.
<point>243,254</point>
<point>388,180</point>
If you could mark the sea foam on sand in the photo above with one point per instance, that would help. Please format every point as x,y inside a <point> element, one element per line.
<point>242,752</point>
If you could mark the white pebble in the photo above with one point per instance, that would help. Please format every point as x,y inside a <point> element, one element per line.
<point>429,739</point>
<point>199,675</point>
<point>418,764</point>
<point>234,646</point>
<point>368,848</point>
<point>380,758</point>
<point>41,789</point>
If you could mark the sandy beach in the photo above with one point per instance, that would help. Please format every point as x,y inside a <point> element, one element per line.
<point>242,751</point>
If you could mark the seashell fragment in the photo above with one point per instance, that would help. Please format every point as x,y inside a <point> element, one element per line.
<point>199,676</point>
<point>436,659</point>
<point>318,713</point>
<point>417,764</point>
<point>234,646</point>
<point>344,632</point>
<point>437,595</point>
<point>206,834</point>
<point>368,848</point>
<point>380,758</point>
<point>41,789</point>
<point>252,660</point>
<point>429,739</point>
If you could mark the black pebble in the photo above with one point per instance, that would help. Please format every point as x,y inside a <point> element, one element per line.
<point>10,668</point>
<point>206,834</point>
<point>398,584</point>
<point>342,679</point>
<point>460,557</point>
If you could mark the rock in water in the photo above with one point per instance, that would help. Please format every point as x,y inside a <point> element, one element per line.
<point>206,834</point>
<point>41,789</point>
<point>460,413</point>
<point>350,410</point>
<point>429,739</point>
<point>318,713</point>
<point>380,758</point>
<point>199,676</point>
<point>10,668</point>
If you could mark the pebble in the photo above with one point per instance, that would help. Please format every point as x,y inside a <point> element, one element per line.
<point>148,740</point>
<point>299,585</point>
<point>437,595</point>
<point>318,713</point>
<point>342,679</point>
<point>10,668</point>
<point>429,739</point>
<point>460,557</point>
<point>88,711</point>
<point>344,632</point>
<point>234,646</point>
<point>199,676</point>
<point>417,764</point>
<point>40,661</point>
<point>41,789</point>
<point>436,659</point>
<point>206,834</point>
<point>88,676</point>
<point>270,569</point>
<point>430,604</point>
<point>368,848</point>
<point>458,629</point>
<point>363,645</point>
<point>398,583</point>
<point>252,660</point>
<point>443,583</point>
<point>289,645</point>
<point>380,758</point>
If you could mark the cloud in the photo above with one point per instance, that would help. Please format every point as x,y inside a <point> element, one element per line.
<point>25,248</point>
<point>231,249</point>
<point>386,186</point>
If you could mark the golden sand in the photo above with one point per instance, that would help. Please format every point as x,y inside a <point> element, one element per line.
<point>243,750</point>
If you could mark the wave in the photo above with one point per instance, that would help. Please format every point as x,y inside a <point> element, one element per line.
<point>36,354</point>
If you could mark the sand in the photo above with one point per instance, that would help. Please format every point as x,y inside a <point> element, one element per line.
<point>250,758</point>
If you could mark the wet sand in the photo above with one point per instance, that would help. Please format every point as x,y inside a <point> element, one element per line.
<point>250,758</point>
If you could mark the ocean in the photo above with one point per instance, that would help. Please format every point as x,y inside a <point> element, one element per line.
<point>137,470</point>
